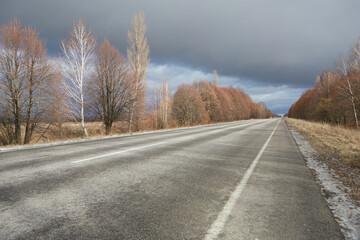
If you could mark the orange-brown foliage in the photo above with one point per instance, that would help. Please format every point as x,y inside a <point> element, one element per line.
<point>220,104</point>
<point>336,95</point>
<point>188,108</point>
<point>209,97</point>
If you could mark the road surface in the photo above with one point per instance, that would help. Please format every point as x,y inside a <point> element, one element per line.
<point>239,180</point>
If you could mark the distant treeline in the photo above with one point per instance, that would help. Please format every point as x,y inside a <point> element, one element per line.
<point>203,102</point>
<point>336,95</point>
<point>91,82</point>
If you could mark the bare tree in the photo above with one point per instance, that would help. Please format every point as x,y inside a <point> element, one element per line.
<point>110,85</point>
<point>215,78</point>
<point>263,110</point>
<point>78,53</point>
<point>155,105</point>
<point>347,88</point>
<point>326,82</point>
<point>138,57</point>
<point>12,80</point>
<point>39,75</point>
<point>165,102</point>
<point>355,64</point>
<point>161,105</point>
<point>26,80</point>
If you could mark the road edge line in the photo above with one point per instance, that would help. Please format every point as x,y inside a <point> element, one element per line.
<point>218,225</point>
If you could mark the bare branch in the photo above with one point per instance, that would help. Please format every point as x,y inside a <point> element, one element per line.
<point>78,54</point>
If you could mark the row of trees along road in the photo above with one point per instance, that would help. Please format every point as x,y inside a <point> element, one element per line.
<point>204,102</point>
<point>336,95</point>
<point>95,81</point>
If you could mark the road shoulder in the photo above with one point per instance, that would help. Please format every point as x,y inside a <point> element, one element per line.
<point>282,199</point>
<point>344,209</point>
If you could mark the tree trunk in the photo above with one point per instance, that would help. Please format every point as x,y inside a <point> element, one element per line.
<point>167,109</point>
<point>131,116</point>
<point>108,127</point>
<point>353,103</point>
<point>17,130</point>
<point>83,120</point>
<point>17,123</point>
<point>355,114</point>
<point>27,135</point>
<point>27,121</point>
<point>84,129</point>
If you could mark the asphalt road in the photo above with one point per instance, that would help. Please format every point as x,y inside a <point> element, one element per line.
<point>241,180</point>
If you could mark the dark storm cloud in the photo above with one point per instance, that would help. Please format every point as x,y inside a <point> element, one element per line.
<point>277,42</point>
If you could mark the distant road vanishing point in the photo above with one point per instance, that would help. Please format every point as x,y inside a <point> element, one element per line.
<point>238,180</point>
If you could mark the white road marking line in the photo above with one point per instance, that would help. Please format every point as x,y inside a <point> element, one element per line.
<point>219,223</point>
<point>237,126</point>
<point>110,154</point>
<point>244,125</point>
<point>133,149</point>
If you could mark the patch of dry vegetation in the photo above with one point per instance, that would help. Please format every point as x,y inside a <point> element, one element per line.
<point>328,139</point>
<point>60,132</point>
<point>49,133</point>
<point>338,147</point>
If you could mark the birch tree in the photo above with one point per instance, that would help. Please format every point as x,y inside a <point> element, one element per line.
<point>347,87</point>
<point>355,64</point>
<point>78,55</point>
<point>138,57</point>
<point>161,104</point>
<point>165,102</point>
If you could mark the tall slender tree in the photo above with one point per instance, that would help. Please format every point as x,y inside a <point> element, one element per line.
<point>165,102</point>
<point>161,105</point>
<point>215,78</point>
<point>138,57</point>
<point>347,86</point>
<point>78,54</point>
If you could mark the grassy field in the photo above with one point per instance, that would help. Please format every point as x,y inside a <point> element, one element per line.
<point>338,147</point>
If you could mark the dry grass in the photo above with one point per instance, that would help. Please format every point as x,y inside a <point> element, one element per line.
<point>328,139</point>
<point>338,148</point>
<point>56,132</point>
<point>69,131</point>
<point>73,131</point>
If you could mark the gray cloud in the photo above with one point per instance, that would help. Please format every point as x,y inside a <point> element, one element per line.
<point>269,42</point>
<point>277,98</point>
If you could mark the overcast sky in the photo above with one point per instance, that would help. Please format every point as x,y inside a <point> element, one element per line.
<point>273,49</point>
